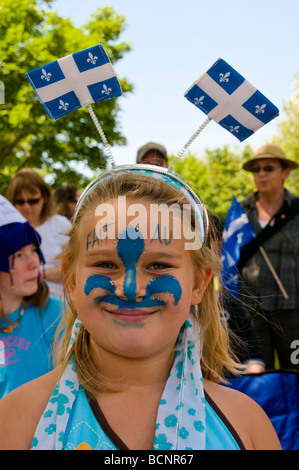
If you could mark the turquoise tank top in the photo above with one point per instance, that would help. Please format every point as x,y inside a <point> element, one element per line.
<point>88,429</point>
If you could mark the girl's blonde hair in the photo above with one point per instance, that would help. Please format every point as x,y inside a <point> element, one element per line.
<point>216,357</point>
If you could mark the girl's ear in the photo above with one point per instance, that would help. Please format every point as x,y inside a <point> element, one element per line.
<point>200,285</point>
<point>69,279</point>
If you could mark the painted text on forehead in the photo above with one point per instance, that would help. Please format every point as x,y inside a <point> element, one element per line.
<point>129,250</point>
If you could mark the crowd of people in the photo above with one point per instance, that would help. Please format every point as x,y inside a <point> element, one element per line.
<point>136,322</point>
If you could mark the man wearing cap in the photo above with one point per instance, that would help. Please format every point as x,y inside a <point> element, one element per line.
<point>269,265</point>
<point>152,154</point>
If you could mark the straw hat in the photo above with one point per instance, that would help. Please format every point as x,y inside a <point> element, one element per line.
<point>269,151</point>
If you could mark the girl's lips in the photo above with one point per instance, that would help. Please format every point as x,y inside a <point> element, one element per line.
<point>33,279</point>
<point>128,315</point>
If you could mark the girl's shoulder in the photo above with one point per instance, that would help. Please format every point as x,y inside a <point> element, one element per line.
<point>247,418</point>
<point>21,410</point>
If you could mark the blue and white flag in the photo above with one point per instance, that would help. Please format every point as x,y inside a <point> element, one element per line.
<point>74,81</point>
<point>237,233</point>
<point>227,98</point>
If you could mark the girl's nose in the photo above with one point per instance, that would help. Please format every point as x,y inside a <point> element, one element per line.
<point>33,260</point>
<point>131,286</point>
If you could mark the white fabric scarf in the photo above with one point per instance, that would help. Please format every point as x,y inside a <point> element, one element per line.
<point>181,415</point>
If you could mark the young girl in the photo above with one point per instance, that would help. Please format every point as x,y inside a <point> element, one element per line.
<point>28,316</point>
<point>143,345</point>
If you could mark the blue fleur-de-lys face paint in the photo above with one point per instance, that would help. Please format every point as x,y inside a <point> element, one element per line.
<point>130,246</point>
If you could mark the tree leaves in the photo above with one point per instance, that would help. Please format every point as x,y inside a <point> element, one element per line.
<point>32,36</point>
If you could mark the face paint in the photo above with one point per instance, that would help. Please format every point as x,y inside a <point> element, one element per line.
<point>129,248</point>
<point>129,251</point>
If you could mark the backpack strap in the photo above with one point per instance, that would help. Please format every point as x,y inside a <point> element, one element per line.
<point>279,220</point>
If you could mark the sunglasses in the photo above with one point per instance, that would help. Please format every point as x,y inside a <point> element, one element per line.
<point>31,202</point>
<point>266,168</point>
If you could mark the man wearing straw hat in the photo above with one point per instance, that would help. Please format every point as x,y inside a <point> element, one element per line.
<point>269,265</point>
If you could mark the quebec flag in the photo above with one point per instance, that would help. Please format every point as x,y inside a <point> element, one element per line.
<point>237,233</point>
<point>74,81</point>
<point>227,98</point>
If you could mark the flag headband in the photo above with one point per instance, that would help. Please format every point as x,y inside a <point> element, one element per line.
<point>157,173</point>
<point>87,77</point>
<point>226,97</point>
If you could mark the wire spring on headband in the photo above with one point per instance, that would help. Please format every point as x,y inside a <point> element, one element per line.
<point>192,138</point>
<point>102,134</point>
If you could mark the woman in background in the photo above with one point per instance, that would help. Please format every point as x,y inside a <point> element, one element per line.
<point>31,195</point>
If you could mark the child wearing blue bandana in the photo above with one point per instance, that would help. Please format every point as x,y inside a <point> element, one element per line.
<point>143,348</point>
<point>28,315</point>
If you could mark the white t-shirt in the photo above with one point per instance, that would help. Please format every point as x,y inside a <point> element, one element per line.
<point>53,236</point>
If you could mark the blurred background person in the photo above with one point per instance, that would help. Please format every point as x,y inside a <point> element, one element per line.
<point>152,154</point>
<point>65,199</point>
<point>28,315</point>
<point>32,196</point>
<point>270,275</point>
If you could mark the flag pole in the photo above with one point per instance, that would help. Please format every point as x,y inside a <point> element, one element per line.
<point>102,134</point>
<point>192,138</point>
<point>270,266</point>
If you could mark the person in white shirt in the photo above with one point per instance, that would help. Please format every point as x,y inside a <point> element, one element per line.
<point>31,195</point>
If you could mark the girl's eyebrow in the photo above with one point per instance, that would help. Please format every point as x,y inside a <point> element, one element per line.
<point>101,252</point>
<point>163,254</point>
<point>112,252</point>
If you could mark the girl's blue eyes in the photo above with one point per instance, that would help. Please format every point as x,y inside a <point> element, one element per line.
<point>106,265</point>
<point>158,266</point>
<point>153,266</point>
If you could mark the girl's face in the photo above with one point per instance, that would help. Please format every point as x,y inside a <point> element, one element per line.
<point>25,264</point>
<point>133,292</point>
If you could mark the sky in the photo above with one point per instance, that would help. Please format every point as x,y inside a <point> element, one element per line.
<point>174,42</point>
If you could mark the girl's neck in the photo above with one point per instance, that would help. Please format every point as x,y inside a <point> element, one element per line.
<point>134,373</point>
<point>10,303</point>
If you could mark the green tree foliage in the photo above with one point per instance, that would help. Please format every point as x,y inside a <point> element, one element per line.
<point>218,176</point>
<point>33,35</point>
<point>288,135</point>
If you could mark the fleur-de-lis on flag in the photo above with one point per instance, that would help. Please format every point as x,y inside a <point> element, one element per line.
<point>46,76</point>
<point>231,101</point>
<point>260,109</point>
<point>106,90</point>
<point>74,81</point>
<point>224,77</point>
<point>92,58</point>
<point>63,105</point>
<point>199,101</point>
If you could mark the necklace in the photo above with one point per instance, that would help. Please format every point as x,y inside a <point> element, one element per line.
<point>274,207</point>
<point>9,329</point>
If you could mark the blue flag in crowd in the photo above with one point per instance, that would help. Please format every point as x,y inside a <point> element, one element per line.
<point>74,81</point>
<point>227,98</point>
<point>237,233</point>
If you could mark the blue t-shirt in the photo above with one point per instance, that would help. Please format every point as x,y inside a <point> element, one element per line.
<point>25,353</point>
